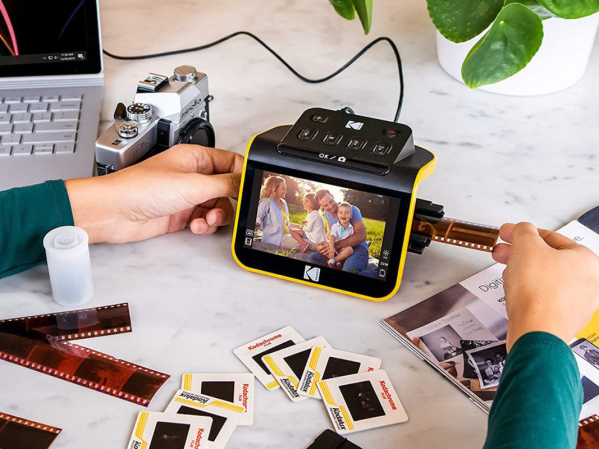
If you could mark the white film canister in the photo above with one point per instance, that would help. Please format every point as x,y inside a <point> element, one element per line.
<point>67,253</point>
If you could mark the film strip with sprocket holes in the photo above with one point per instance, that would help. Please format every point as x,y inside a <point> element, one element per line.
<point>21,432</point>
<point>41,343</point>
<point>457,232</point>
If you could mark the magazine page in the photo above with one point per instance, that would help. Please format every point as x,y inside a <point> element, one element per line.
<point>462,330</point>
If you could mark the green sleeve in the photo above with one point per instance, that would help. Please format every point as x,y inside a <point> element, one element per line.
<point>26,215</point>
<point>539,397</point>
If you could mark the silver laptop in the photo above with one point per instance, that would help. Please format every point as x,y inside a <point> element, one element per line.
<point>51,86</point>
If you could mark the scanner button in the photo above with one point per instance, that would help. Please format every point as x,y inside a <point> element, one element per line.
<point>317,118</point>
<point>391,132</point>
<point>381,148</point>
<point>356,143</point>
<point>332,139</point>
<point>306,134</point>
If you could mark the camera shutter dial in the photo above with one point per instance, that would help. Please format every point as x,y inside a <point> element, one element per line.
<point>185,73</point>
<point>139,112</point>
<point>128,130</point>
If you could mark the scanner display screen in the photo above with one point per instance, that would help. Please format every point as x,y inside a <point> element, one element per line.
<point>294,217</point>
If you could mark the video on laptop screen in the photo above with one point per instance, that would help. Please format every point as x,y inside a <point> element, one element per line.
<point>36,31</point>
<point>296,218</point>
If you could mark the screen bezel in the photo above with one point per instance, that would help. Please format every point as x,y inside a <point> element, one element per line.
<point>92,65</point>
<point>372,288</point>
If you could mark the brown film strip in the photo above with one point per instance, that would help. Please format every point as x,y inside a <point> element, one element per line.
<point>457,232</point>
<point>588,433</point>
<point>39,343</point>
<point>76,324</point>
<point>18,432</point>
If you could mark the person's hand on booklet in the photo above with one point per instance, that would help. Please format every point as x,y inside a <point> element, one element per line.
<point>551,283</point>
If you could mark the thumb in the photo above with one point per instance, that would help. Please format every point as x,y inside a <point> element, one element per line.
<point>208,187</point>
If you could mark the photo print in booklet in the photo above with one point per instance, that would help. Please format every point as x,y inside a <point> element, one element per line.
<point>448,325</point>
<point>586,350</point>
<point>489,362</point>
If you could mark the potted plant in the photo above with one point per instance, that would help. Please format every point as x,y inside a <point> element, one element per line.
<point>487,43</point>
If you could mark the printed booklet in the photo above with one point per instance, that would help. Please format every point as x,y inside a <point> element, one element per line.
<point>467,325</point>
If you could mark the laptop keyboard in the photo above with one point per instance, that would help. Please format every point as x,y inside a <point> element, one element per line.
<point>39,125</point>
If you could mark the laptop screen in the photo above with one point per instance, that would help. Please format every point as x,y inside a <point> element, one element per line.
<point>42,37</point>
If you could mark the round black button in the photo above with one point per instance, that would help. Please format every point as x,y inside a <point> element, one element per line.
<point>306,134</point>
<point>356,143</point>
<point>381,148</point>
<point>391,132</point>
<point>332,138</point>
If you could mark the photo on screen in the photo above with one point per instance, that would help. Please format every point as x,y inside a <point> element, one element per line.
<point>296,218</point>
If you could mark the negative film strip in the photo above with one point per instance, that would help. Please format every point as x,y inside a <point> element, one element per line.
<point>18,432</point>
<point>76,324</point>
<point>25,342</point>
<point>456,232</point>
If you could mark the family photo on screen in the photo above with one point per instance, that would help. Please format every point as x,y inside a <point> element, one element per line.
<point>320,223</point>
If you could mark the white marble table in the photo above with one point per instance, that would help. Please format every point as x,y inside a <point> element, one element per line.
<point>500,158</point>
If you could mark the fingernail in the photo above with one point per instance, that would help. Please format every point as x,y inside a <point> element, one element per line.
<point>216,217</point>
<point>202,226</point>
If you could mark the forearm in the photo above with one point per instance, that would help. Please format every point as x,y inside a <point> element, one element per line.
<point>26,215</point>
<point>92,215</point>
<point>539,397</point>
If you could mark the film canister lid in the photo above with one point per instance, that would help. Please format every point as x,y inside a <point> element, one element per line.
<point>69,265</point>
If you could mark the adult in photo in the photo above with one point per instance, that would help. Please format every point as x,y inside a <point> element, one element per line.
<point>358,261</point>
<point>590,355</point>
<point>273,215</point>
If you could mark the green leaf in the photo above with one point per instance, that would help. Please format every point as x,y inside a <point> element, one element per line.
<point>535,7</point>
<point>364,10</point>
<point>571,9</point>
<point>461,20</point>
<point>509,45</point>
<point>345,8</point>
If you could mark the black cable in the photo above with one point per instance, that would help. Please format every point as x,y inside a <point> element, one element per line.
<point>285,63</point>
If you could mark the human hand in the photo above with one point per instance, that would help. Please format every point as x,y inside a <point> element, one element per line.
<point>186,185</point>
<point>323,248</point>
<point>551,283</point>
<point>305,222</point>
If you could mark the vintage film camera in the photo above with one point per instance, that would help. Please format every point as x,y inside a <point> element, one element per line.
<point>165,112</point>
<point>372,164</point>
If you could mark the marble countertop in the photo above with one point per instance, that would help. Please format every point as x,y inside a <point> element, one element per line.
<point>500,159</point>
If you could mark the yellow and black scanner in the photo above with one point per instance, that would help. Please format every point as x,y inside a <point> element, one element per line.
<point>373,165</point>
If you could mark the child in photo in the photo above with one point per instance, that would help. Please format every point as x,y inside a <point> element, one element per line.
<point>340,231</point>
<point>312,227</point>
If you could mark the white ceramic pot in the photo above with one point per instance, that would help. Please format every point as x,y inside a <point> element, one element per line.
<point>560,62</point>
